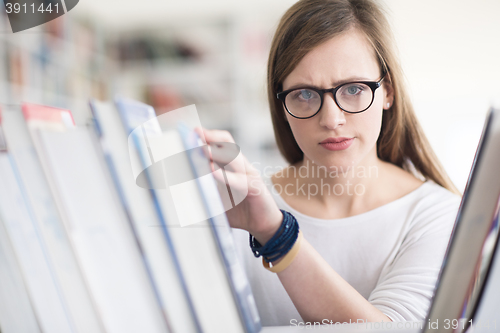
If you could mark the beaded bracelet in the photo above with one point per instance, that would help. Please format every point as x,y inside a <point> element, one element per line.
<point>281,242</point>
<point>287,259</point>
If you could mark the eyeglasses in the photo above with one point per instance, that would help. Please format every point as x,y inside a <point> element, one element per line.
<point>351,97</point>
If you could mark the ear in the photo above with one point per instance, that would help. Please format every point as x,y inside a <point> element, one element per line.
<point>388,92</point>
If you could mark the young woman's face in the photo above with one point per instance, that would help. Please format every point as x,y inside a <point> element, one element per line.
<point>347,57</point>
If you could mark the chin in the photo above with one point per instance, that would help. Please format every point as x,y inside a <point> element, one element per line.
<point>345,162</point>
<point>350,157</point>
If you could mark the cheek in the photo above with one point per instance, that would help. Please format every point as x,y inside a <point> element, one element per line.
<point>302,129</point>
<point>368,125</point>
<point>374,119</point>
<point>371,119</point>
<point>299,128</point>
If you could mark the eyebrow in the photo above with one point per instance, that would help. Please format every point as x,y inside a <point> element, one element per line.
<point>335,84</point>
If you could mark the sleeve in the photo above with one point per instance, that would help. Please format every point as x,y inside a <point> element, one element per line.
<point>406,285</point>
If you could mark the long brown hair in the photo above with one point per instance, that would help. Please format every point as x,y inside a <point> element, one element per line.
<point>309,23</point>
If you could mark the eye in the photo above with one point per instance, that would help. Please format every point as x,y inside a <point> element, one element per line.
<point>303,94</point>
<point>353,90</point>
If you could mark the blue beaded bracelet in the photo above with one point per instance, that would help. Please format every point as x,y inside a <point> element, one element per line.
<point>281,242</point>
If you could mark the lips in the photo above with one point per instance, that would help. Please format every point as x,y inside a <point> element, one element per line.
<point>335,144</point>
<point>335,140</point>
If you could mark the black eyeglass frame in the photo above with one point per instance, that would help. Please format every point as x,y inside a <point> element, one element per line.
<point>374,85</point>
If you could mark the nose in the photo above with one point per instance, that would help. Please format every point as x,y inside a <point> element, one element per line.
<point>330,115</point>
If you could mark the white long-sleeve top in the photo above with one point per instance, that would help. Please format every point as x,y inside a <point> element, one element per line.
<point>391,255</point>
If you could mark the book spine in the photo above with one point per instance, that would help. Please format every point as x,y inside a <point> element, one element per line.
<point>237,280</point>
<point>122,197</point>
<point>168,238</point>
<point>46,295</point>
<point>16,312</point>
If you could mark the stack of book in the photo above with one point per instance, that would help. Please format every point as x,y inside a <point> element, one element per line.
<point>92,239</point>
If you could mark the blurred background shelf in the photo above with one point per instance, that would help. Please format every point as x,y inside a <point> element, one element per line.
<point>214,54</point>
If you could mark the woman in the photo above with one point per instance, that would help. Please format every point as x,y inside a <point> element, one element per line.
<point>374,207</point>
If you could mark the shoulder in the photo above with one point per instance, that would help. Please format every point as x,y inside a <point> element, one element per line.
<point>394,182</point>
<point>433,213</point>
<point>436,199</point>
<point>427,207</point>
<point>399,182</point>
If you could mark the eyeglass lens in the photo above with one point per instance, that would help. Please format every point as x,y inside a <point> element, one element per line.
<point>353,97</point>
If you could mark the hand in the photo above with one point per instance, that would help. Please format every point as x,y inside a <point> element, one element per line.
<point>258,212</point>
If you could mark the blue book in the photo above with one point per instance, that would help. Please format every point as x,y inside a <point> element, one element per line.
<point>221,229</point>
<point>160,262</point>
<point>133,115</point>
<point>167,172</point>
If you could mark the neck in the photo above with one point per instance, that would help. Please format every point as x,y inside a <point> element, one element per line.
<point>345,188</point>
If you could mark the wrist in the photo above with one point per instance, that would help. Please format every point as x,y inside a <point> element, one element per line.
<point>280,244</point>
<point>267,231</point>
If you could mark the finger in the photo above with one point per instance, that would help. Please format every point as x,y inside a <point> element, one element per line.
<point>217,136</point>
<point>230,158</point>
<point>224,154</point>
<point>205,148</point>
<point>212,166</point>
<point>207,151</point>
<point>236,181</point>
<point>201,133</point>
<point>241,185</point>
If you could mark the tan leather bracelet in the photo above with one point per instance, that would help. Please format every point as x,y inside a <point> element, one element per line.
<point>287,259</point>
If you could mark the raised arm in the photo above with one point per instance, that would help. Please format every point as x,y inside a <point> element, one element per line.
<point>314,287</point>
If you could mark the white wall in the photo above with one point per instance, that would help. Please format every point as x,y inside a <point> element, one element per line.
<point>450,51</point>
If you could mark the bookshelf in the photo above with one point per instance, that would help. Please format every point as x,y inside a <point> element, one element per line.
<point>70,60</point>
<point>223,74</point>
<point>90,251</point>
<point>216,63</point>
<point>62,63</point>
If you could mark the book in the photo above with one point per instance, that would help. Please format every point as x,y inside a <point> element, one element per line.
<point>213,204</point>
<point>469,257</point>
<point>3,144</point>
<point>487,317</point>
<point>17,216</point>
<point>16,311</point>
<point>53,235</point>
<point>102,240</point>
<point>161,260</point>
<point>196,246</point>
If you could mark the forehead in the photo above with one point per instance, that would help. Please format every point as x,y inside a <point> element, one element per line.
<point>343,57</point>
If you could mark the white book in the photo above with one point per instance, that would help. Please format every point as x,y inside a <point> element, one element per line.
<point>98,229</point>
<point>52,232</point>
<point>196,246</point>
<point>45,295</point>
<point>159,255</point>
<point>16,312</point>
